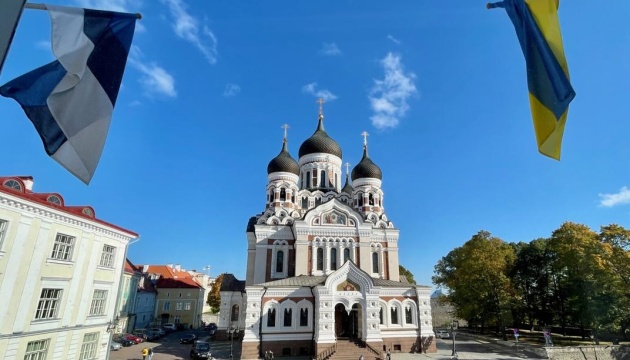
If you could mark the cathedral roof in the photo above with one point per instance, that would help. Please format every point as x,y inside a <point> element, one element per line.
<point>230,283</point>
<point>366,168</point>
<point>283,162</point>
<point>305,280</point>
<point>320,142</point>
<point>347,188</point>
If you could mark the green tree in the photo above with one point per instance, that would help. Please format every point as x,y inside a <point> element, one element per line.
<point>214,296</point>
<point>614,314</point>
<point>406,273</point>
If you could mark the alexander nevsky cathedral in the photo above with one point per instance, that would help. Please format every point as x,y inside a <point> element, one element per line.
<point>322,264</point>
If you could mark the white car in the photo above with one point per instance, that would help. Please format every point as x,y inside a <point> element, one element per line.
<point>169,327</point>
<point>442,334</point>
<point>115,346</point>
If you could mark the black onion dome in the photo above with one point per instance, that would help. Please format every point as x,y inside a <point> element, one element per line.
<point>347,188</point>
<point>283,162</point>
<point>320,142</point>
<point>366,168</point>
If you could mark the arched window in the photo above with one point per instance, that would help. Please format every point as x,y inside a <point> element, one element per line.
<point>280,261</point>
<point>346,254</point>
<point>302,180</point>
<point>304,317</point>
<point>380,315</point>
<point>360,199</point>
<point>320,259</point>
<point>304,203</point>
<point>394,315</point>
<point>408,319</point>
<point>271,317</point>
<point>318,201</point>
<point>235,311</point>
<point>371,199</point>
<point>287,317</point>
<point>13,184</point>
<point>308,179</point>
<point>315,183</point>
<point>375,262</point>
<point>323,179</point>
<point>283,194</point>
<point>336,180</point>
<point>333,259</point>
<point>271,193</point>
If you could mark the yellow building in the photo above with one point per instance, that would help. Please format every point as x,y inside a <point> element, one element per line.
<point>60,271</point>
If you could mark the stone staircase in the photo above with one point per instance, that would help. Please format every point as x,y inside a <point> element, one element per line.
<point>351,350</point>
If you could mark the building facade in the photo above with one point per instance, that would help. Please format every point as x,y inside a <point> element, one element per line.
<point>60,271</point>
<point>322,262</point>
<point>145,302</point>
<point>126,312</point>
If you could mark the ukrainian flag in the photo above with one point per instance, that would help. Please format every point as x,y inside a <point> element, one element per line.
<point>550,91</point>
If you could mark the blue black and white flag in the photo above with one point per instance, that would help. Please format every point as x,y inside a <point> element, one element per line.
<point>70,101</point>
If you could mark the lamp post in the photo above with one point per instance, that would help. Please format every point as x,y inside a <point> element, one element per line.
<point>231,332</point>
<point>454,326</point>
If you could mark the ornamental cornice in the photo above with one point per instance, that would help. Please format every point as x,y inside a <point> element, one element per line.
<point>319,158</point>
<point>36,210</point>
<point>366,182</point>
<point>319,231</point>
<point>283,176</point>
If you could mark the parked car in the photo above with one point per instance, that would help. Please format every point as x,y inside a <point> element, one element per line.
<point>201,350</point>
<point>135,339</point>
<point>442,334</point>
<point>169,327</point>
<point>115,346</point>
<point>119,338</point>
<point>140,333</point>
<point>158,329</point>
<point>155,333</point>
<point>211,326</point>
<point>187,339</point>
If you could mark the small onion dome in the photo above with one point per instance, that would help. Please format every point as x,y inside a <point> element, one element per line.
<point>347,188</point>
<point>366,168</point>
<point>283,162</point>
<point>320,142</point>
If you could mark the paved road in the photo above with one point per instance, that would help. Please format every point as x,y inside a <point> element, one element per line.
<point>169,348</point>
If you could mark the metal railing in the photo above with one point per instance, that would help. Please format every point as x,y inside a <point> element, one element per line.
<point>372,349</point>
<point>327,353</point>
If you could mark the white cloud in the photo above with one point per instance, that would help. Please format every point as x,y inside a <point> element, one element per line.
<point>610,200</point>
<point>324,94</point>
<point>388,97</point>
<point>154,79</point>
<point>231,90</point>
<point>187,27</point>
<point>396,41</point>
<point>330,49</point>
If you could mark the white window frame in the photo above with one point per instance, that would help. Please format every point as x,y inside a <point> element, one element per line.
<point>4,225</point>
<point>179,306</point>
<point>108,256</point>
<point>99,302</point>
<point>49,303</point>
<point>37,350</point>
<point>280,245</point>
<point>63,247</point>
<point>166,306</point>
<point>89,347</point>
<point>187,306</point>
<point>176,319</point>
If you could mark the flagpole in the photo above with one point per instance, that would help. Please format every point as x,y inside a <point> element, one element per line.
<point>43,7</point>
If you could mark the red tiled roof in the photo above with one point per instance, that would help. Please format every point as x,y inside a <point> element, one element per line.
<point>172,278</point>
<point>86,212</point>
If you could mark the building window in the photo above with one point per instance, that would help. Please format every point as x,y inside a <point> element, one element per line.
<point>62,250</point>
<point>187,305</point>
<point>315,178</point>
<point>323,179</point>
<point>408,318</point>
<point>166,306</point>
<point>176,319</point>
<point>320,259</point>
<point>179,306</point>
<point>235,313</point>
<point>308,179</point>
<point>333,259</point>
<point>380,315</point>
<point>107,256</point>
<point>371,199</point>
<point>394,315</point>
<point>304,203</point>
<point>48,304</point>
<point>283,194</point>
<point>271,317</point>
<point>287,317</point>
<point>88,348</point>
<point>304,317</point>
<point>375,262</point>
<point>280,261</point>
<point>12,184</point>
<point>336,181</point>
<point>346,254</point>
<point>3,230</point>
<point>98,302</point>
<point>54,199</point>
<point>36,350</point>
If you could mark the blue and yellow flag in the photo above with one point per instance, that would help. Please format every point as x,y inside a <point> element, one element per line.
<point>550,91</point>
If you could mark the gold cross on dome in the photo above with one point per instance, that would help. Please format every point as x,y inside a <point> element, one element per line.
<point>321,102</point>
<point>347,168</point>
<point>365,135</point>
<point>285,127</point>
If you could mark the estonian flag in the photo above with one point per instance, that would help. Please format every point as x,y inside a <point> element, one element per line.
<point>550,91</point>
<point>70,101</point>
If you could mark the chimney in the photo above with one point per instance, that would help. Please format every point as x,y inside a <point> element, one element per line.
<point>28,182</point>
<point>145,268</point>
<point>178,267</point>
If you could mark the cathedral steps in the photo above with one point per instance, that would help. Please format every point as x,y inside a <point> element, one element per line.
<point>351,350</point>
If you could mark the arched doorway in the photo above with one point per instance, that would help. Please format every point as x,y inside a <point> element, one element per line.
<point>348,325</point>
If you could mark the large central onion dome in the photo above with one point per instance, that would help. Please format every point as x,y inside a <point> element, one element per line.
<point>320,142</point>
<point>283,162</point>
<point>366,168</point>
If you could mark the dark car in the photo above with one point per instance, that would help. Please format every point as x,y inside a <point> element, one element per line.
<point>211,326</point>
<point>188,339</point>
<point>122,341</point>
<point>201,350</point>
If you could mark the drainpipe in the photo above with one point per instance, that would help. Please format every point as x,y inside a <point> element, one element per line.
<point>313,324</point>
<point>260,346</point>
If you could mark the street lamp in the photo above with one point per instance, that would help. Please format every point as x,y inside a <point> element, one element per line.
<point>112,325</point>
<point>454,326</point>
<point>231,331</point>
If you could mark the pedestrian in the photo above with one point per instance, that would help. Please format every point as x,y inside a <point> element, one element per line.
<point>150,353</point>
<point>361,357</point>
<point>389,355</point>
<point>145,352</point>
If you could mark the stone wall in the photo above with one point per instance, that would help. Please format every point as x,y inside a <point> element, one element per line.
<point>595,352</point>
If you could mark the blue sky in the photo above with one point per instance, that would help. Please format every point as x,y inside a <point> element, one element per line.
<point>210,83</point>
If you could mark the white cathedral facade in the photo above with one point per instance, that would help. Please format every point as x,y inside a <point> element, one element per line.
<point>322,264</point>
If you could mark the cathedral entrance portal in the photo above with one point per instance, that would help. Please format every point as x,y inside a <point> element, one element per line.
<point>347,325</point>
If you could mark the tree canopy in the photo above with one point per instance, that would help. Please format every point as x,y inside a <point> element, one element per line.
<point>214,296</point>
<point>406,273</point>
